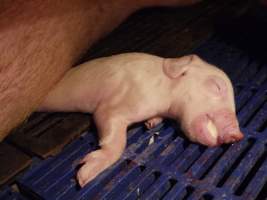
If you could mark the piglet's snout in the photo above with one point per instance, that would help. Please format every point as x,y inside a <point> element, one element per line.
<point>216,129</point>
<point>227,124</point>
<point>229,133</point>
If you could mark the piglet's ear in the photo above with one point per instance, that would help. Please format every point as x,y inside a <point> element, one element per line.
<point>176,67</point>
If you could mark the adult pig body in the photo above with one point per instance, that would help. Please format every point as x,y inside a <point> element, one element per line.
<point>128,88</point>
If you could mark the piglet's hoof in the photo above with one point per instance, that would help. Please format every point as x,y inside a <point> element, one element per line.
<point>92,164</point>
<point>153,122</point>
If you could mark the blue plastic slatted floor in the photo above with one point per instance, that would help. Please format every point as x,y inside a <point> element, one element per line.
<point>161,164</point>
<point>8,194</point>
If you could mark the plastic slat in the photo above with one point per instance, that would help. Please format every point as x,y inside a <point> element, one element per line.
<point>243,168</point>
<point>8,194</point>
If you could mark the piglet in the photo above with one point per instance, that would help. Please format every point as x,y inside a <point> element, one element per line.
<point>127,88</point>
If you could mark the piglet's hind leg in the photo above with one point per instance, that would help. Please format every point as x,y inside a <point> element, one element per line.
<point>112,140</point>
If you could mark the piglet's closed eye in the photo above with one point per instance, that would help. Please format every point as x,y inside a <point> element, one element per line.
<point>216,86</point>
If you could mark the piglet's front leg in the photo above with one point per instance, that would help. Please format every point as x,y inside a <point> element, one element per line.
<point>112,140</point>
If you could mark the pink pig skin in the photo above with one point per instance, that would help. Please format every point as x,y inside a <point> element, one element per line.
<point>127,88</point>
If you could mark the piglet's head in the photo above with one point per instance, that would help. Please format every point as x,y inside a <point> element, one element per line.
<point>202,100</point>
